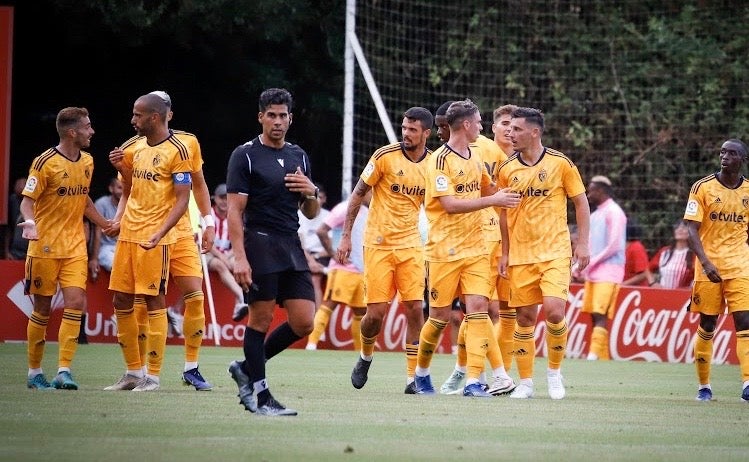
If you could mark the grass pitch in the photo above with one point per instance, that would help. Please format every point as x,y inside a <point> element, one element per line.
<point>613,411</point>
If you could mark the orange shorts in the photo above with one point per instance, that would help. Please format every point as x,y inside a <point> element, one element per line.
<point>600,298</point>
<point>345,287</point>
<point>44,274</point>
<point>136,270</point>
<point>530,283</point>
<point>712,299</point>
<point>391,270</point>
<point>185,258</point>
<point>467,276</point>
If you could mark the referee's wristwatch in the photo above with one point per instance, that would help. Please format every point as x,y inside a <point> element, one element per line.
<point>313,196</point>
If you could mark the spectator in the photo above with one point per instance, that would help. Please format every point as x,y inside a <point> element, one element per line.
<point>636,271</point>
<point>107,207</point>
<point>220,259</point>
<point>605,271</point>
<point>15,244</point>
<point>317,257</point>
<point>674,263</point>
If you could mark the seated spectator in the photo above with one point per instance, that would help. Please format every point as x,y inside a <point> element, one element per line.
<point>221,257</point>
<point>317,257</point>
<point>636,267</point>
<point>674,263</point>
<point>15,244</point>
<point>107,207</point>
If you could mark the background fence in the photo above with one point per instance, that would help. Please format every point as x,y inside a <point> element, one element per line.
<point>644,92</point>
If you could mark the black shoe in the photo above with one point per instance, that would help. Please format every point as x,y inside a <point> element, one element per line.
<point>410,389</point>
<point>240,312</point>
<point>271,407</point>
<point>359,374</point>
<point>246,395</point>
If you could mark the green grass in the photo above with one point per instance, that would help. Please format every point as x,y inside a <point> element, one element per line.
<point>613,411</point>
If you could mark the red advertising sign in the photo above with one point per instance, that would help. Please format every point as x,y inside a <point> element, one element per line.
<point>649,324</point>
<point>6,73</point>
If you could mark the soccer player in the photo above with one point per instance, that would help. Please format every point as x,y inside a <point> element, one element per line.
<point>458,186</point>
<point>55,200</point>
<point>393,252</point>
<point>268,180</point>
<point>535,244</point>
<point>185,264</point>
<point>492,156</point>
<point>605,272</point>
<point>345,283</point>
<point>155,197</point>
<point>717,214</point>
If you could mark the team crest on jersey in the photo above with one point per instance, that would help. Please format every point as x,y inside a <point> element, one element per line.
<point>156,160</point>
<point>745,202</point>
<point>696,299</point>
<point>542,175</point>
<point>37,282</point>
<point>31,184</point>
<point>434,294</point>
<point>88,173</point>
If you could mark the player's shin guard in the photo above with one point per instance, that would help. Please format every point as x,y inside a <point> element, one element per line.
<point>128,338</point>
<point>356,331</point>
<point>506,335</point>
<point>556,342</point>
<point>703,354</point>
<point>493,354</point>
<point>141,318</point>
<point>599,343</point>
<point>193,325</point>
<point>428,339</point>
<point>36,333</point>
<point>461,358</point>
<point>524,350</point>
<point>742,352</point>
<point>477,342</point>
<point>322,318</point>
<point>67,336</point>
<point>156,342</point>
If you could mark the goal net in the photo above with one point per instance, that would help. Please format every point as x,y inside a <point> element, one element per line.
<point>643,92</point>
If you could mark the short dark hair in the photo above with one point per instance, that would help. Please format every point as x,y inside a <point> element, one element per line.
<point>460,111</point>
<point>741,144</point>
<point>273,96</point>
<point>442,110</point>
<point>69,117</point>
<point>420,114</point>
<point>531,115</point>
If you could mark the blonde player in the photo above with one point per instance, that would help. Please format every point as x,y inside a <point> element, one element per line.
<point>456,253</point>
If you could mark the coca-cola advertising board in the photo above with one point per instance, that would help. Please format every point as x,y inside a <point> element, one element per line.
<point>649,324</point>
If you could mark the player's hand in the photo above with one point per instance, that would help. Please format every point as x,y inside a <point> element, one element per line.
<point>344,249</point>
<point>503,263</point>
<point>243,274</point>
<point>115,157</point>
<point>152,242</point>
<point>29,230</point>
<point>299,183</point>
<point>112,230</point>
<point>506,198</point>
<point>209,236</point>
<point>581,258</point>
<point>712,273</point>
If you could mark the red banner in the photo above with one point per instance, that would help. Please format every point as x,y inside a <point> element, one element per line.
<point>649,325</point>
<point>6,73</point>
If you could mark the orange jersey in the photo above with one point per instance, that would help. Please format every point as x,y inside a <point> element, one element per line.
<point>154,172</point>
<point>397,194</point>
<point>458,235</point>
<point>492,156</point>
<point>538,226</point>
<point>60,190</point>
<point>723,215</point>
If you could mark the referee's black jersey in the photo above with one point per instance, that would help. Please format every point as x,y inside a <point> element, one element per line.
<point>258,171</point>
